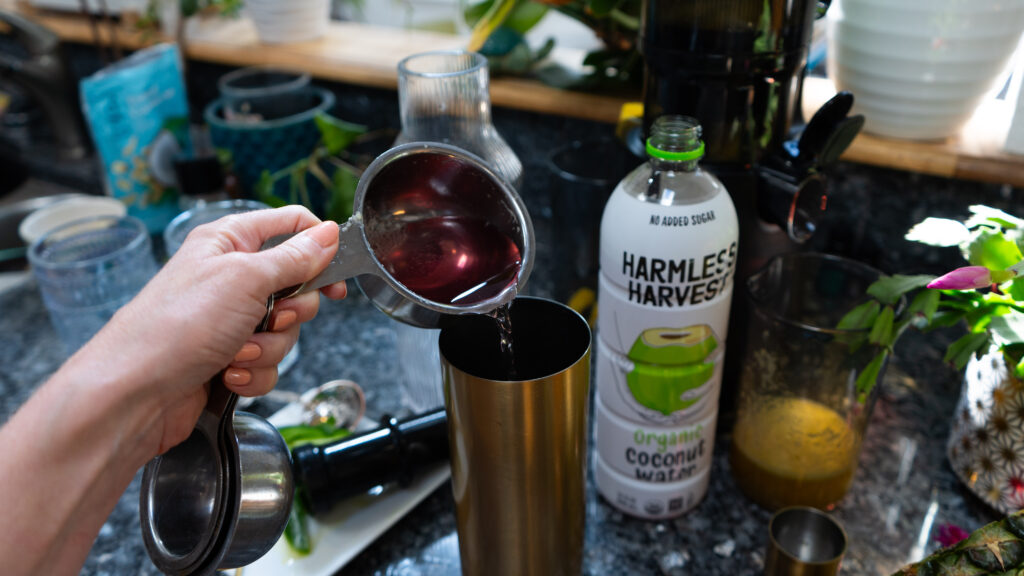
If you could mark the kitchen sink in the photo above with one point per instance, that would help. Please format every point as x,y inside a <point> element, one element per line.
<point>15,205</point>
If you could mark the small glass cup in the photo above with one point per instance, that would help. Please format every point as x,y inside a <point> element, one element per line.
<point>800,418</point>
<point>203,213</point>
<point>87,269</point>
<point>584,174</point>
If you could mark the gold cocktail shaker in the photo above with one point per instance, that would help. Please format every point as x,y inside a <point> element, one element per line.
<point>518,439</point>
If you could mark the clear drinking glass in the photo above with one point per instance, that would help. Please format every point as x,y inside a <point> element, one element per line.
<point>800,419</point>
<point>203,213</point>
<point>87,269</point>
<point>443,97</point>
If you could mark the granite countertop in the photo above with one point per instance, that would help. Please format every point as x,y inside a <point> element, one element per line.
<point>903,488</point>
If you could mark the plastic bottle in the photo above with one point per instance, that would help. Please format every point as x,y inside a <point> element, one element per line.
<point>669,236</point>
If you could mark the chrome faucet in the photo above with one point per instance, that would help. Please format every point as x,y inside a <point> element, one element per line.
<point>44,75</point>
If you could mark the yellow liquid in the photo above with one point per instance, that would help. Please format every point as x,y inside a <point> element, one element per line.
<point>793,451</point>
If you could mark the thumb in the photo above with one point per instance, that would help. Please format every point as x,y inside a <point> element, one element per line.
<point>297,260</point>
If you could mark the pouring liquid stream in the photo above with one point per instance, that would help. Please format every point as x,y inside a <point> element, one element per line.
<point>504,322</point>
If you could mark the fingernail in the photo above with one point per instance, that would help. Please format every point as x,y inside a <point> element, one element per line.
<point>325,234</point>
<point>283,320</point>
<point>237,376</point>
<point>249,352</point>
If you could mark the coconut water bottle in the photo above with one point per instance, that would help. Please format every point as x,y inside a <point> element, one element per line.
<point>669,237</point>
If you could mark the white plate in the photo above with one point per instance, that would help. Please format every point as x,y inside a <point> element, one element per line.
<point>351,527</point>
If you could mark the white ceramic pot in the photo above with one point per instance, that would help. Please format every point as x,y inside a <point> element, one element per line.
<point>918,69</point>
<point>280,22</point>
<point>986,443</point>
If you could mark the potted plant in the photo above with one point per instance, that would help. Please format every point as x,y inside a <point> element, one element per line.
<point>987,297</point>
<point>499,27</point>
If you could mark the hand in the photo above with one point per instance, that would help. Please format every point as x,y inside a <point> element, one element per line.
<point>197,316</point>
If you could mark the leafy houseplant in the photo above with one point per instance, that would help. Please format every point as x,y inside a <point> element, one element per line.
<point>329,166</point>
<point>499,26</point>
<point>987,296</point>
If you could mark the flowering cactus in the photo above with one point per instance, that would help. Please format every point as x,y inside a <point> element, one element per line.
<point>986,295</point>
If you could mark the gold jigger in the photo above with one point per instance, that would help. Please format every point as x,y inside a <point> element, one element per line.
<point>518,443</point>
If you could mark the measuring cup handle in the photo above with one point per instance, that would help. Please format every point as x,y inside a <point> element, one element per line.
<point>352,259</point>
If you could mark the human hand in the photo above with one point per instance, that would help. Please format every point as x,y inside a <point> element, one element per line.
<point>197,316</point>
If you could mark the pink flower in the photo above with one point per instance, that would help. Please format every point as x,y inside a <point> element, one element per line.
<point>966,278</point>
<point>949,534</point>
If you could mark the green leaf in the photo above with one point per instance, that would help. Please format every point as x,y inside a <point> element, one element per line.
<point>990,248</point>
<point>1007,329</point>
<point>981,214</point>
<point>944,319</point>
<point>925,303</point>
<point>336,133</point>
<point>343,192</point>
<point>1018,369</point>
<point>296,532</point>
<point>868,377</point>
<point>224,156</point>
<point>1015,289</point>
<point>860,318</point>
<point>264,191</point>
<point>502,41</point>
<point>602,8</point>
<point>525,16</point>
<point>961,351</point>
<point>474,12</point>
<point>939,232</point>
<point>889,289</point>
<point>189,7</point>
<point>858,321</point>
<point>882,330</point>
<point>495,15</point>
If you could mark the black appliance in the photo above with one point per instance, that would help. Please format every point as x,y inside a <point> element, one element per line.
<point>738,67</point>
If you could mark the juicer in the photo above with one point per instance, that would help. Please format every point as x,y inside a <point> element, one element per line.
<point>738,66</point>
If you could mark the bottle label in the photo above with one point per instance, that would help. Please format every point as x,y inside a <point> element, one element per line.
<point>664,292</point>
<point>655,453</point>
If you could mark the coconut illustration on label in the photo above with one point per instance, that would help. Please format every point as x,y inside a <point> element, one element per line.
<point>668,363</point>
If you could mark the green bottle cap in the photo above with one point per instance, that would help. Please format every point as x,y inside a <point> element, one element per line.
<point>694,154</point>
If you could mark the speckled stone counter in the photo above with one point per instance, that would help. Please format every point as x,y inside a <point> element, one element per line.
<point>902,491</point>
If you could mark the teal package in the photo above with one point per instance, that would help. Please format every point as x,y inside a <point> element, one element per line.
<point>137,111</point>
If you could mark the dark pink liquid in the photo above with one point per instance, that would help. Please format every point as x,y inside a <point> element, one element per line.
<point>452,259</point>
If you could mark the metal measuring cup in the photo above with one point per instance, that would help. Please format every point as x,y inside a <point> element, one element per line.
<point>454,184</point>
<point>221,498</point>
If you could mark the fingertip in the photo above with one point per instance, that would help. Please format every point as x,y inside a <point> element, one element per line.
<point>336,291</point>
<point>237,377</point>
<point>325,234</point>
<point>283,320</point>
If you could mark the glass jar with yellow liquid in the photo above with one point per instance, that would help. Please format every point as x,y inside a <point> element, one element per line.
<point>800,420</point>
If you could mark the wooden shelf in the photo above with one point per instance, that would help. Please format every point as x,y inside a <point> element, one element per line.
<point>366,55</point>
<point>974,154</point>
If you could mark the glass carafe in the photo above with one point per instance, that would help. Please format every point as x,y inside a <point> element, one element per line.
<point>443,97</point>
